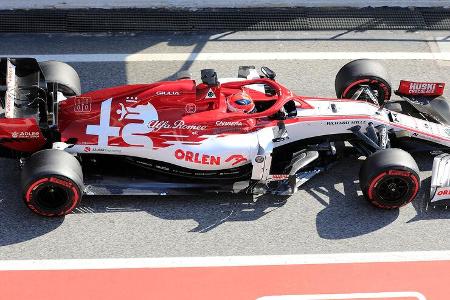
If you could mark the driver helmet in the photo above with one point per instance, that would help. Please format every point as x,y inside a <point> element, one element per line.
<point>241,102</point>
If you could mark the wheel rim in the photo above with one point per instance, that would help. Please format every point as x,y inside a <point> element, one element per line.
<point>51,197</point>
<point>393,188</point>
<point>374,85</point>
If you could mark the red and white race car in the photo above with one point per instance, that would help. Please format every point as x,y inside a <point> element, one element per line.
<point>249,134</point>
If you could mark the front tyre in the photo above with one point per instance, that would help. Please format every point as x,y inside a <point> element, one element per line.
<point>389,178</point>
<point>363,72</point>
<point>52,183</point>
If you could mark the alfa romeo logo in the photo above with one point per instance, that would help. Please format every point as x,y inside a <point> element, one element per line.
<point>191,108</point>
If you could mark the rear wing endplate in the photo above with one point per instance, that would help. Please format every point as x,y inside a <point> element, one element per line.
<point>16,74</point>
<point>10,95</point>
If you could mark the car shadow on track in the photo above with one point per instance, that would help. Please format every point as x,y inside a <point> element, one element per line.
<point>17,223</point>
<point>208,211</point>
<point>346,213</point>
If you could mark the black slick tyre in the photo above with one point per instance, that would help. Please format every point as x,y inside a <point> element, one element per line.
<point>52,183</point>
<point>64,75</point>
<point>363,72</point>
<point>389,178</point>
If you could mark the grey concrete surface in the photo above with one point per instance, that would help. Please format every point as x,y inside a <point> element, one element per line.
<point>329,215</point>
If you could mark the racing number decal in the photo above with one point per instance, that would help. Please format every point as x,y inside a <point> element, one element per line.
<point>104,130</point>
<point>132,133</point>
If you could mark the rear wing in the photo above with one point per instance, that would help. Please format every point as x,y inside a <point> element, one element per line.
<point>16,73</point>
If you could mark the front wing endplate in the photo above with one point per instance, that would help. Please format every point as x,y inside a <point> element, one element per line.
<point>440,180</point>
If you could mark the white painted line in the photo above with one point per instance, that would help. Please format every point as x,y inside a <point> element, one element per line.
<point>382,295</point>
<point>245,56</point>
<point>224,261</point>
<point>443,44</point>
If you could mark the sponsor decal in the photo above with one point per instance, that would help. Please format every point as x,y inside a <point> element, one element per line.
<point>227,129</point>
<point>210,94</point>
<point>231,124</point>
<point>82,104</point>
<point>61,182</point>
<point>168,93</point>
<point>236,159</point>
<point>132,133</point>
<point>422,88</point>
<point>11,69</point>
<point>443,192</point>
<point>88,149</point>
<point>11,89</point>
<point>157,125</point>
<point>25,134</point>
<point>277,177</point>
<point>399,173</point>
<point>104,130</point>
<point>131,99</point>
<point>197,158</point>
<point>190,108</point>
<point>353,122</point>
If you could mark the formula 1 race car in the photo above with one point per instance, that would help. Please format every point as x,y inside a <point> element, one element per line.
<point>249,134</point>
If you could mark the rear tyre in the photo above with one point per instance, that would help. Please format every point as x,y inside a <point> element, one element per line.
<point>52,183</point>
<point>389,178</point>
<point>64,75</point>
<point>363,72</point>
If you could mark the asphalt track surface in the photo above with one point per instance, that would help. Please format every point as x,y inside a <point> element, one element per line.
<point>328,216</point>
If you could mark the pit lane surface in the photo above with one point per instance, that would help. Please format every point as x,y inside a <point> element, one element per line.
<point>387,276</point>
<point>328,216</point>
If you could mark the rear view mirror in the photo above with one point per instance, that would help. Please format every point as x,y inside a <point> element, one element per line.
<point>209,77</point>
<point>268,73</point>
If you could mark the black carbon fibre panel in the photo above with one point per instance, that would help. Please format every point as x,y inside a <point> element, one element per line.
<point>436,19</point>
<point>363,19</point>
<point>32,20</point>
<point>114,20</point>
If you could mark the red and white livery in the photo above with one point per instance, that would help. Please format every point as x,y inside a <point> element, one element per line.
<point>180,136</point>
